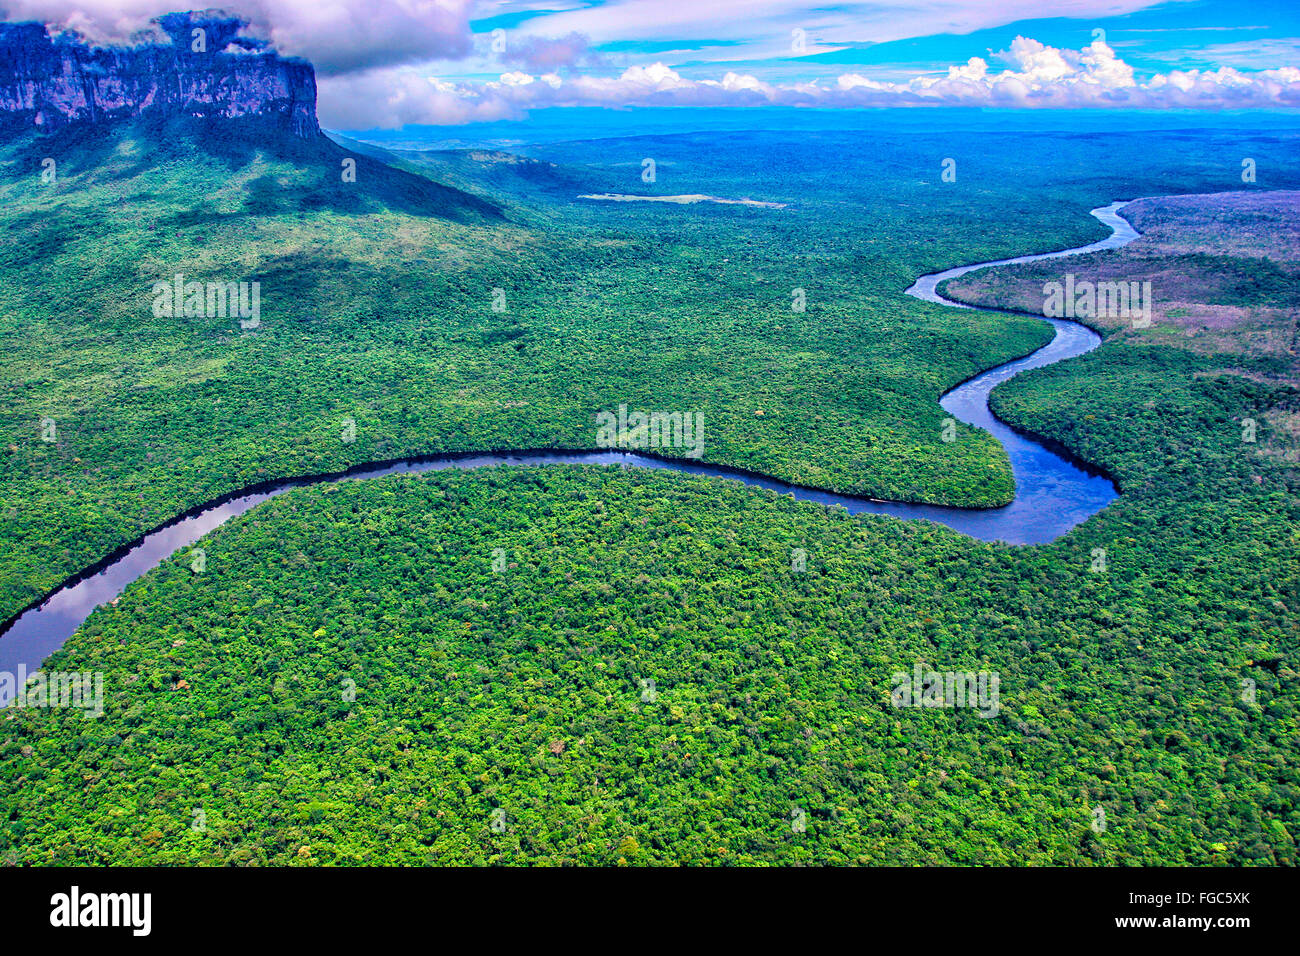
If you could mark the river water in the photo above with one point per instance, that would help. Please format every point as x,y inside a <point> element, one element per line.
<point>1053,493</point>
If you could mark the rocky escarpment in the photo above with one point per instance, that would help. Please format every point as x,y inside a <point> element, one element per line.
<point>201,67</point>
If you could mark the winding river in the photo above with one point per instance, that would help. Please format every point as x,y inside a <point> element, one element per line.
<point>1053,492</point>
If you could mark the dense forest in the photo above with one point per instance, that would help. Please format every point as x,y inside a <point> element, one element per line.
<point>352,681</point>
<point>598,665</point>
<point>381,312</point>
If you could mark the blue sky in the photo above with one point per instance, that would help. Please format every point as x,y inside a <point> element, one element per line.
<point>895,42</point>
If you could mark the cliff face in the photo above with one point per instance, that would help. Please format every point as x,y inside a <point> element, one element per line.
<point>50,82</point>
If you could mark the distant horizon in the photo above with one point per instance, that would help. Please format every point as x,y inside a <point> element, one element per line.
<point>561,124</point>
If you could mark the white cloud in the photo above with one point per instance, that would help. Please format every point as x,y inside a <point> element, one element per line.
<point>338,36</point>
<point>756,29</point>
<point>1036,76</point>
<point>393,98</point>
<point>549,53</point>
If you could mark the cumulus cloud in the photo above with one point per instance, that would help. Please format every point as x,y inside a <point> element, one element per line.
<point>338,36</point>
<point>1035,75</point>
<point>391,98</point>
